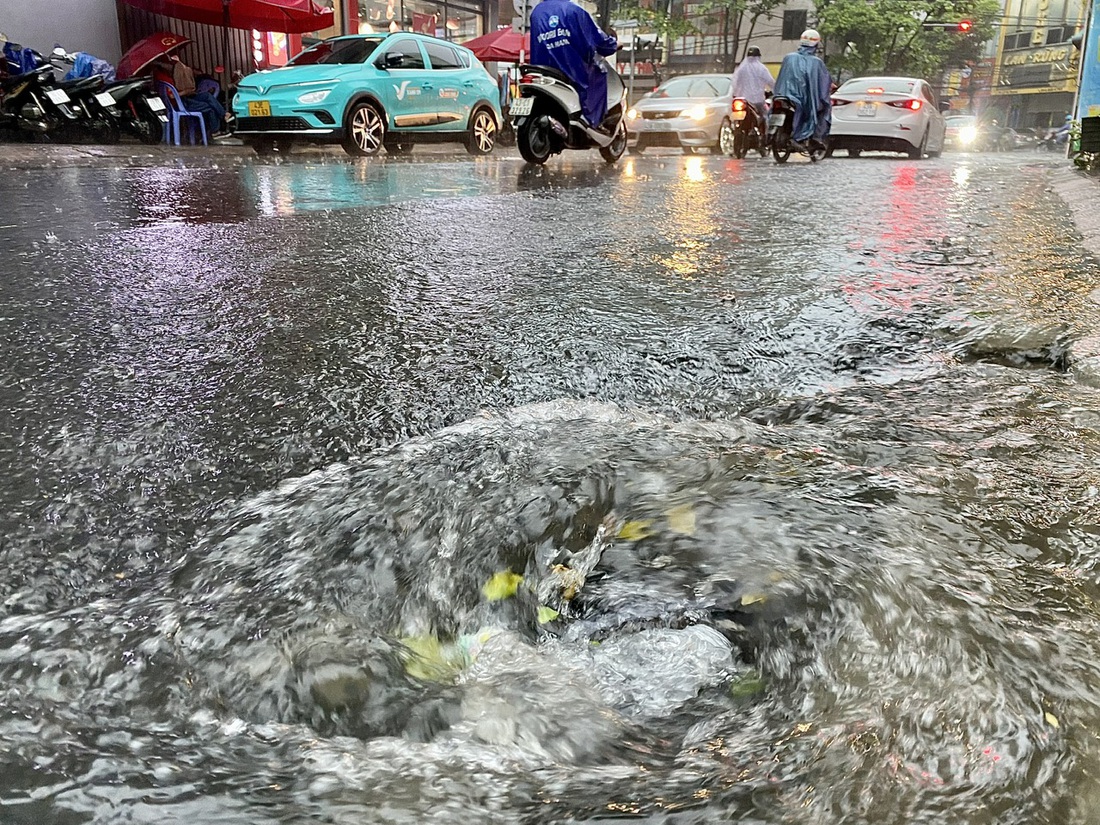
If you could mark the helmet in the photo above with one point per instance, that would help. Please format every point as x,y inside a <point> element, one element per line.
<point>754,51</point>
<point>810,37</point>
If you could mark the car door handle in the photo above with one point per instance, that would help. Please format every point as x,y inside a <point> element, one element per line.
<point>469,84</point>
<point>426,86</point>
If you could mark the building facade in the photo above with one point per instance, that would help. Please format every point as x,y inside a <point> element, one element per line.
<point>1034,75</point>
<point>77,25</point>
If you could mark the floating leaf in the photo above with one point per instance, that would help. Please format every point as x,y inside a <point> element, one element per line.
<point>753,598</point>
<point>432,660</point>
<point>748,684</point>
<point>681,519</point>
<point>1052,720</point>
<point>502,585</point>
<point>636,530</point>
<point>547,614</point>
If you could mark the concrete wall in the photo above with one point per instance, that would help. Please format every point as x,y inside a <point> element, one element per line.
<point>78,25</point>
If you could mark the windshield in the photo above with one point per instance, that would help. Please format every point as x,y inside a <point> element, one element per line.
<point>694,87</point>
<point>352,50</point>
<point>881,85</point>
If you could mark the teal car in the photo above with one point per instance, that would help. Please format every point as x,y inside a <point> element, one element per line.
<point>371,92</point>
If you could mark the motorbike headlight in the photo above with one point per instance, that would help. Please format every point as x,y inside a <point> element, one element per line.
<point>632,114</point>
<point>968,134</point>
<point>696,112</point>
<point>310,98</point>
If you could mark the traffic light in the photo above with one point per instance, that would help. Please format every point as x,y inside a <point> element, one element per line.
<point>965,26</point>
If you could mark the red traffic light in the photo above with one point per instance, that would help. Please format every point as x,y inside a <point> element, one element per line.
<point>965,26</point>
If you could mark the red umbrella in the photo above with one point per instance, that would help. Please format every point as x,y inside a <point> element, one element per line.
<point>292,16</point>
<point>146,50</point>
<point>503,44</point>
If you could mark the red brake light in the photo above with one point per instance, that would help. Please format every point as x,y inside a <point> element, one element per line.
<point>912,103</point>
<point>528,78</point>
<point>875,91</point>
<point>738,105</point>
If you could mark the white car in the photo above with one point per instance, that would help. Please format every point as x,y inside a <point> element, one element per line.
<point>887,114</point>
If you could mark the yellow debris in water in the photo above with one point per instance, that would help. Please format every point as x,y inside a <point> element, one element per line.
<point>753,598</point>
<point>636,530</point>
<point>1052,720</point>
<point>547,614</point>
<point>681,520</point>
<point>430,659</point>
<point>502,585</point>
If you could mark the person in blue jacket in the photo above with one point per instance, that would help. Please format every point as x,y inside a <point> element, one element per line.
<point>565,37</point>
<point>804,79</point>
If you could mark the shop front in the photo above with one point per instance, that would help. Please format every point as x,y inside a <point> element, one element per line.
<point>457,20</point>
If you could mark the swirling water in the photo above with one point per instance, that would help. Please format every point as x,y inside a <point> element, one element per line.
<point>826,512</point>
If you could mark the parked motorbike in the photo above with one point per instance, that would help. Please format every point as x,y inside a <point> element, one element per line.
<point>547,116</point>
<point>98,111</point>
<point>782,144</point>
<point>32,106</point>
<point>748,130</point>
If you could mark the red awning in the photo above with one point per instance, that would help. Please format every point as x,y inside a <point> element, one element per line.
<point>146,50</point>
<point>291,16</point>
<point>503,45</point>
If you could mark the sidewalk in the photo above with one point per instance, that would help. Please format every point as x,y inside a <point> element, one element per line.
<point>14,156</point>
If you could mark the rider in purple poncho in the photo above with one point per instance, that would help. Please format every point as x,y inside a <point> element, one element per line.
<point>804,79</point>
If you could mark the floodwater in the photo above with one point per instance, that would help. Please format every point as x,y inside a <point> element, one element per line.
<point>684,491</point>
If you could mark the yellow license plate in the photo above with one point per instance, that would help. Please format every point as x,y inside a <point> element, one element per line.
<point>259,108</point>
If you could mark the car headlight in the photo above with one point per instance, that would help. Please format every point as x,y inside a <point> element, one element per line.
<point>968,134</point>
<point>632,114</point>
<point>310,98</point>
<point>696,112</point>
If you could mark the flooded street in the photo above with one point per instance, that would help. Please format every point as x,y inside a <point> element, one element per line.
<point>685,491</point>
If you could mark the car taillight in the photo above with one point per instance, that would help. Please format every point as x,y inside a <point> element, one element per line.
<point>905,104</point>
<point>738,105</point>
<point>839,101</point>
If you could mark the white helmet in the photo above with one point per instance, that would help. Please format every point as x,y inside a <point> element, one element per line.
<point>810,37</point>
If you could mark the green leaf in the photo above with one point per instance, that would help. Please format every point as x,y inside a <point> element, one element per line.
<point>746,685</point>
<point>547,614</point>
<point>502,585</point>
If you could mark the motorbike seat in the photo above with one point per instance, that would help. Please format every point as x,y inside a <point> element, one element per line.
<point>81,84</point>
<point>129,84</point>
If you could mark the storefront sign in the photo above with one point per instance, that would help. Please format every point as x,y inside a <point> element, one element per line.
<point>1088,100</point>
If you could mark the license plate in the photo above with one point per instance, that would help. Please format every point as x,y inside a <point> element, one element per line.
<point>866,109</point>
<point>57,96</point>
<point>739,115</point>
<point>105,99</point>
<point>155,104</point>
<point>259,108</point>
<point>521,107</point>
<point>775,121</point>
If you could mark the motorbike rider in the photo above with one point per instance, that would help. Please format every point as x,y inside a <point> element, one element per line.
<point>752,81</point>
<point>565,37</point>
<point>804,79</point>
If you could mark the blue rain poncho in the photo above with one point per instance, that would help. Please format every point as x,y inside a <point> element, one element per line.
<point>805,80</point>
<point>87,65</point>
<point>565,37</point>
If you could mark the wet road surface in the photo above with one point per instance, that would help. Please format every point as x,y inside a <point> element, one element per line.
<point>797,466</point>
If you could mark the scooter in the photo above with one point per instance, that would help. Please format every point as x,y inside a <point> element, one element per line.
<point>98,110</point>
<point>780,123</point>
<point>547,116</point>
<point>31,105</point>
<point>748,133</point>
<point>1055,139</point>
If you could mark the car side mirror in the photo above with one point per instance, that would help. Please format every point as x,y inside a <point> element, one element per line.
<point>393,61</point>
<point>945,105</point>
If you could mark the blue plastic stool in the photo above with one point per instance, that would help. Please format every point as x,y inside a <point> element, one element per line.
<point>177,111</point>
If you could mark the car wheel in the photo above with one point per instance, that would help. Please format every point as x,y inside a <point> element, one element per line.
<point>918,152</point>
<point>398,148</point>
<point>727,138</point>
<point>264,146</point>
<point>364,130</point>
<point>614,150</point>
<point>854,153</point>
<point>482,136</point>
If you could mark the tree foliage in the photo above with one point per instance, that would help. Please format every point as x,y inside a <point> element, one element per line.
<point>732,16</point>
<point>892,37</point>
<point>657,16</point>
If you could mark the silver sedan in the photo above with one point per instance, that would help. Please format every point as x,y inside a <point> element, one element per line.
<point>691,111</point>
